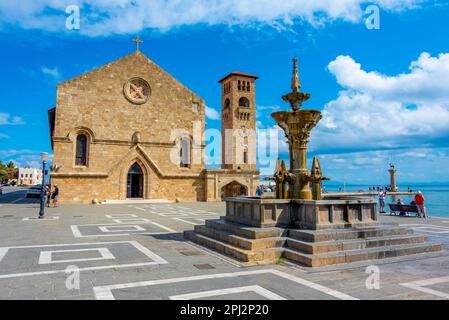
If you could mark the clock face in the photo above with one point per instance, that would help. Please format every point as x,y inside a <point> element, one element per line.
<point>137,90</point>
<point>244,132</point>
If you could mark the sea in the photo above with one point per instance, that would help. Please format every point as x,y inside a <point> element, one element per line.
<point>436,197</point>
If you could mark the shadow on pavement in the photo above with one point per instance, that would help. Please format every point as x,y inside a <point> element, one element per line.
<point>169,236</point>
<point>17,197</point>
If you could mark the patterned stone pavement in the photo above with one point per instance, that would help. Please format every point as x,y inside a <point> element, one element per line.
<point>137,252</point>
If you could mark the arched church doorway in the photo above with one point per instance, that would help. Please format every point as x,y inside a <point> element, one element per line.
<point>134,184</point>
<point>233,189</point>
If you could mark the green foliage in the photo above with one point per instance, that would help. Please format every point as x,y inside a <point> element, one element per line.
<point>281,260</point>
<point>9,171</point>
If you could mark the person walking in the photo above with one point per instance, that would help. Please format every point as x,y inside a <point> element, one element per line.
<point>382,197</point>
<point>47,195</point>
<point>420,201</point>
<point>55,195</point>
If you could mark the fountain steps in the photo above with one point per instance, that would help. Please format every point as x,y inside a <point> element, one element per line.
<point>311,248</point>
<point>348,234</point>
<point>244,230</point>
<point>241,242</point>
<point>339,257</point>
<point>242,255</point>
<point>305,246</point>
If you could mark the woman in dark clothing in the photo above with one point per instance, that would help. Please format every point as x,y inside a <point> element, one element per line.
<point>54,196</point>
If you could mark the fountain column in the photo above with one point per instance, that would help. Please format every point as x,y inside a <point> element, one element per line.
<point>297,125</point>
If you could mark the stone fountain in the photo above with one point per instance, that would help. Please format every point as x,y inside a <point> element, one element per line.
<point>297,125</point>
<point>298,224</point>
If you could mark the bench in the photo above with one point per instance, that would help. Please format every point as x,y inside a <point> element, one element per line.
<point>398,208</point>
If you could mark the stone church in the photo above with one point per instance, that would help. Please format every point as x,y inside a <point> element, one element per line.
<point>129,130</point>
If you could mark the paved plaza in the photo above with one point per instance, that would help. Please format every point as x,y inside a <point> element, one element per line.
<point>137,251</point>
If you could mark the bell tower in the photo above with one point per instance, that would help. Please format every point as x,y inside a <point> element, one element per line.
<point>238,121</point>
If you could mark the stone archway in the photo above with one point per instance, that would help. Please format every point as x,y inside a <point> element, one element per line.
<point>135,155</point>
<point>233,189</point>
<point>135,182</point>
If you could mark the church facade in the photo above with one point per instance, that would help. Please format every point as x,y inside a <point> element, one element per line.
<point>129,130</point>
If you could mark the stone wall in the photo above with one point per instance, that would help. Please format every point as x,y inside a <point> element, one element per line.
<point>87,189</point>
<point>215,180</point>
<point>120,133</point>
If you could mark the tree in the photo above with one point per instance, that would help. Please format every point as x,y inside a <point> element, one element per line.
<point>2,171</point>
<point>9,171</point>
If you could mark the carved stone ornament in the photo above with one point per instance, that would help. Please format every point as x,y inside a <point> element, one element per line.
<point>137,90</point>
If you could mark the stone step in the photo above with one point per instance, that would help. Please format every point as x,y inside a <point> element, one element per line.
<point>352,244</point>
<point>324,259</point>
<point>245,231</point>
<point>239,254</point>
<point>347,234</point>
<point>240,242</point>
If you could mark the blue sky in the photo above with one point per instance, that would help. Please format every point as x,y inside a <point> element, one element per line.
<point>384,93</point>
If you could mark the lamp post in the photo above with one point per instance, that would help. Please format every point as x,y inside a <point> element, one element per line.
<point>44,158</point>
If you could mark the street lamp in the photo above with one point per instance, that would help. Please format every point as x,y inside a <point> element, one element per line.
<point>44,158</point>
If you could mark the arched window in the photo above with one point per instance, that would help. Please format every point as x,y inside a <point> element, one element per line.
<point>184,153</point>
<point>227,104</point>
<point>135,169</point>
<point>244,102</point>
<point>81,150</point>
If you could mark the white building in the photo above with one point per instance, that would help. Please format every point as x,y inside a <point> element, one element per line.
<point>29,176</point>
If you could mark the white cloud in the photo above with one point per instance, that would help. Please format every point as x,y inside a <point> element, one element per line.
<point>376,111</point>
<point>105,17</point>
<point>7,119</point>
<point>52,72</point>
<point>427,79</point>
<point>212,114</point>
<point>371,166</point>
<point>23,157</point>
<point>269,108</point>
<point>28,161</point>
<point>14,152</point>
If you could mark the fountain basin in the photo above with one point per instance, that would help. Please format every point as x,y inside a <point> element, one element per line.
<point>297,124</point>
<point>304,214</point>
